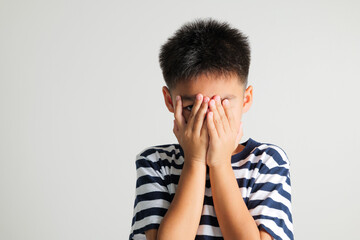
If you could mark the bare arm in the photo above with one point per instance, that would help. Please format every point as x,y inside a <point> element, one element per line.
<point>182,219</point>
<point>183,216</point>
<point>152,233</point>
<point>234,218</point>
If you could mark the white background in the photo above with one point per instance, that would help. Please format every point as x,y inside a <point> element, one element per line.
<point>80,96</point>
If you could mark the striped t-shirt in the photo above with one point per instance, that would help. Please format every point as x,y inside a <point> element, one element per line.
<point>262,173</point>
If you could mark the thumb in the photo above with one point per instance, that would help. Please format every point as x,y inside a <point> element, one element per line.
<point>175,129</point>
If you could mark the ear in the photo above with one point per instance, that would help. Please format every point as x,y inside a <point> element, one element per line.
<point>248,99</point>
<point>167,98</point>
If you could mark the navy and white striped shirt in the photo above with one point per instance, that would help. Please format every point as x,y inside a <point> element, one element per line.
<point>262,173</point>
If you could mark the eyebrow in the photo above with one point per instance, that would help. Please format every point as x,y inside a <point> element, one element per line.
<point>192,97</point>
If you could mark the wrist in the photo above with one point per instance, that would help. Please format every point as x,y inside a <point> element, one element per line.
<point>223,163</point>
<point>194,163</point>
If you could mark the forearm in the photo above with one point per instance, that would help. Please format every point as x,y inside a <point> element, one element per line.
<point>182,219</point>
<point>233,216</point>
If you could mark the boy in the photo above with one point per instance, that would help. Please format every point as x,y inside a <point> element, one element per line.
<point>208,186</point>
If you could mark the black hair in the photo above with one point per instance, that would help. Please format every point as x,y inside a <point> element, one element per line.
<point>205,46</point>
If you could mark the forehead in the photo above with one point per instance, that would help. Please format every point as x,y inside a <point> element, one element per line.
<point>226,87</point>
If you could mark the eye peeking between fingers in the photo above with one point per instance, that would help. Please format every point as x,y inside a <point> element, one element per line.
<point>189,108</point>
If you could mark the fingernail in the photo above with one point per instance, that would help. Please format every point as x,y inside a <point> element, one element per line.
<point>198,97</point>
<point>206,99</point>
<point>212,102</point>
<point>226,102</point>
<point>217,98</point>
<point>177,98</point>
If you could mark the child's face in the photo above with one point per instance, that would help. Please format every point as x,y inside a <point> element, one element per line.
<point>226,87</point>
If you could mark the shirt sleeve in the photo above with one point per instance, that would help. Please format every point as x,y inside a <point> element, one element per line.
<point>270,197</point>
<point>152,198</point>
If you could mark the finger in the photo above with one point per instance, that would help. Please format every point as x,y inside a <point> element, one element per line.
<point>175,129</point>
<point>204,129</point>
<point>222,114</point>
<point>199,118</point>
<point>216,118</point>
<point>211,126</point>
<point>194,110</point>
<point>179,118</point>
<point>229,114</point>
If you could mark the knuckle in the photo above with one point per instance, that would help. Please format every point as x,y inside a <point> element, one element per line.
<point>197,118</point>
<point>200,115</point>
<point>177,116</point>
<point>198,102</point>
<point>177,122</point>
<point>204,106</point>
<point>223,117</point>
<point>192,114</point>
<point>221,111</point>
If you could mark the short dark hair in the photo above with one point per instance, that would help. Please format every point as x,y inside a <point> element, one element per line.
<point>205,46</point>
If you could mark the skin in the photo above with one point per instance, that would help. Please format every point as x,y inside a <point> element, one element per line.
<point>208,127</point>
